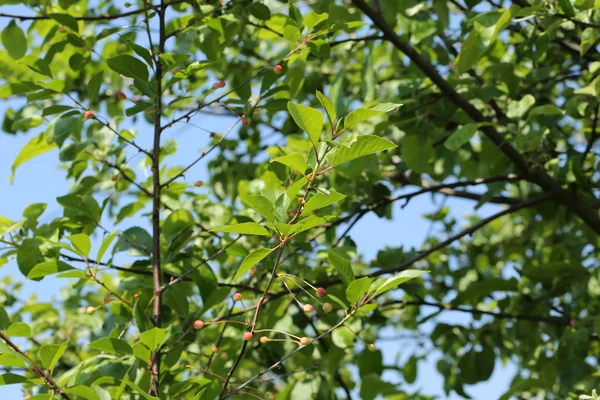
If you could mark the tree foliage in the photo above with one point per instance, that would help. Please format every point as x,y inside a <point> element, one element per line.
<point>331,110</point>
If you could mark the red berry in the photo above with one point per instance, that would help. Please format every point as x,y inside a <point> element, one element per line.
<point>136,296</point>
<point>278,69</point>
<point>245,121</point>
<point>307,308</point>
<point>107,299</point>
<point>218,85</point>
<point>198,324</point>
<point>321,292</point>
<point>121,96</point>
<point>237,296</point>
<point>327,307</point>
<point>88,114</point>
<point>264,339</point>
<point>247,336</point>
<point>293,212</point>
<point>304,340</point>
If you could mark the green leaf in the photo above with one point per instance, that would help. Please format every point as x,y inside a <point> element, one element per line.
<point>328,107</point>
<point>139,391</point>
<point>385,284</point>
<point>588,38</point>
<point>342,337</point>
<point>357,289</point>
<point>410,370</point>
<point>138,108</point>
<point>48,268</point>
<point>309,223</point>
<point>178,221</point>
<point>140,318</point>
<point>320,200</point>
<point>129,66</point>
<point>14,40</point>
<point>461,136</point>
<point>29,255</point>
<point>417,152</point>
<point>313,19</point>
<point>260,11</point>
<point>50,354</point>
<point>251,260</point>
<point>567,8</point>
<point>245,228</point>
<point>154,338</point>
<point>547,109</point>
<point>20,329</point>
<point>93,87</point>
<point>308,119</point>
<point>486,27</point>
<point>342,266</point>
<point>38,145</point>
<point>261,205</point>
<point>362,114</point>
<point>217,296</point>
<point>66,20</point>
<point>11,379</point>
<point>517,109</point>
<point>82,243</point>
<point>105,244</point>
<point>364,145</point>
<point>111,346</point>
<point>4,319</point>
<point>295,161</point>
<point>62,128</point>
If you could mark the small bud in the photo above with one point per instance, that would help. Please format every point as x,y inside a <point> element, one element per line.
<point>264,339</point>
<point>245,121</point>
<point>308,308</point>
<point>88,114</point>
<point>237,296</point>
<point>115,177</point>
<point>188,366</point>
<point>371,347</point>
<point>107,299</point>
<point>321,292</point>
<point>121,96</point>
<point>198,324</point>
<point>61,28</point>
<point>278,69</point>
<point>188,88</point>
<point>327,307</point>
<point>127,4</point>
<point>49,140</point>
<point>198,183</point>
<point>90,310</point>
<point>247,336</point>
<point>304,340</point>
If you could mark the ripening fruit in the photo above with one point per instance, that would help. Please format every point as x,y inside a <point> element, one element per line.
<point>245,121</point>
<point>264,339</point>
<point>321,292</point>
<point>218,85</point>
<point>136,296</point>
<point>308,308</point>
<point>107,299</point>
<point>198,183</point>
<point>304,340</point>
<point>327,307</point>
<point>127,4</point>
<point>237,296</point>
<point>247,336</point>
<point>90,310</point>
<point>224,356</point>
<point>49,140</point>
<point>293,212</point>
<point>121,96</point>
<point>198,324</point>
<point>278,69</point>
<point>115,177</point>
<point>371,347</point>
<point>88,114</point>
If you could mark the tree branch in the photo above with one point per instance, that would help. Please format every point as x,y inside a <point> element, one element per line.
<point>538,176</point>
<point>38,370</point>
